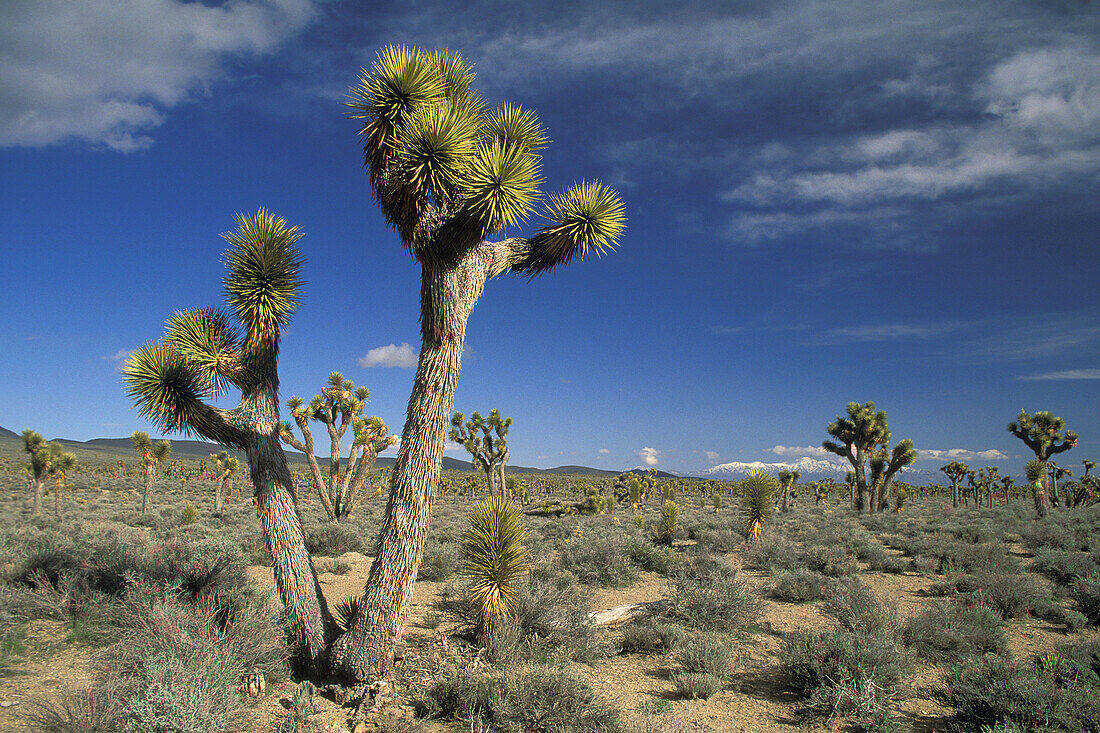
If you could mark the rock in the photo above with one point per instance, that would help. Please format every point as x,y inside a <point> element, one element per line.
<point>253,683</point>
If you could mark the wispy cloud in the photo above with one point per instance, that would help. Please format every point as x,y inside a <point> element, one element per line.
<point>712,456</point>
<point>118,359</point>
<point>391,355</point>
<point>1068,374</point>
<point>604,451</point>
<point>886,332</point>
<point>107,72</point>
<point>649,456</point>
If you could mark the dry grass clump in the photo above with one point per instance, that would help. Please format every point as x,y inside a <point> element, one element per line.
<point>705,593</point>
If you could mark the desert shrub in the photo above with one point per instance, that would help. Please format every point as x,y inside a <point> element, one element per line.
<point>715,537</point>
<point>707,653</point>
<point>1013,596</point>
<point>994,690</point>
<point>948,631</point>
<point>440,560</point>
<point>189,515</point>
<point>1049,533</point>
<point>696,685</point>
<point>533,698</point>
<point>831,560</point>
<point>647,556</point>
<point>856,607</point>
<point>1056,614</point>
<point>798,586</point>
<point>1086,592</point>
<point>332,565</point>
<point>772,553</point>
<point>599,557</point>
<point>1064,566</point>
<point>841,672</point>
<point>331,539</point>
<point>1085,652</point>
<point>91,710</point>
<point>706,593</point>
<point>649,637</point>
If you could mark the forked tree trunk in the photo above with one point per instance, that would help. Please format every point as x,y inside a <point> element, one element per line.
<point>147,497</point>
<point>447,295</point>
<point>37,496</point>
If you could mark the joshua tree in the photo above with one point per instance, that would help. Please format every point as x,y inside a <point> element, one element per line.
<point>1090,486</point>
<point>1034,470</point>
<point>487,451</point>
<point>1042,433</point>
<point>59,465</point>
<point>202,353</point>
<point>956,471</point>
<point>856,438</point>
<point>39,451</point>
<point>225,466</point>
<point>756,502</point>
<point>1007,484</point>
<point>448,175</point>
<point>151,455</point>
<point>989,477</point>
<point>883,468</point>
<point>670,520</point>
<point>787,480</point>
<point>495,558</point>
<point>339,406</point>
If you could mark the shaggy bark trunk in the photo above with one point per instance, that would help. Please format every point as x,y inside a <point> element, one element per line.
<point>447,295</point>
<point>1055,500</point>
<point>37,496</point>
<point>147,497</point>
<point>954,495</point>
<point>1039,494</point>
<point>863,500</point>
<point>783,502</point>
<point>218,498</point>
<point>58,484</point>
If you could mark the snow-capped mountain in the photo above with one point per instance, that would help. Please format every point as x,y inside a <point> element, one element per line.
<point>808,467</point>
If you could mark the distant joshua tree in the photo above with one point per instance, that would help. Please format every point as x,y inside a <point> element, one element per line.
<point>1042,433</point>
<point>956,471</point>
<point>39,451</point>
<point>1056,473</point>
<point>864,437</point>
<point>60,465</point>
<point>488,452</point>
<point>151,455</point>
<point>225,466</point>
<point>787,480</point>
<point>339,407</point>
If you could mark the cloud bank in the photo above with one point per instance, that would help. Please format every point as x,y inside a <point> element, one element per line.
<point>392,355</point>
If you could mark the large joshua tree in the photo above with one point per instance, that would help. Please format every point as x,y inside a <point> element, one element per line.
<point>857,437</point>
<point>1043,434</point>
<point>489,450</point>
<point>39,451</point>
<point>151,455</point>
<point>449,174</point>
<point>884,466</point>
<point>339,407</point>
<point>955,472</point>
<point>206,350</point>
<point>787,480</point>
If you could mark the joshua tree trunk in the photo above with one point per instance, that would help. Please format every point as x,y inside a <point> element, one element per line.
<point>218,498</point>
<point>447,295</point>
<point>1039,494</point>
<point>147,497</point>
<point>37,496</point>
<point>57,486</point>
<point>863,499</point>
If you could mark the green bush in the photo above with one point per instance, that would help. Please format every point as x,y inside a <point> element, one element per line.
<point>856,607</point>
<point>772,552</point>
<point>707,594</point>
<point>799,586</point>
<point>190,514</point>
<point>696,685</point>
<point>949,631</point>
<point>599,557</point>
<point>332,540</point>
<point>649,637</point>
<point>831,560</point>
<point>648,556</point>
<point>995,690</point>
<point>1064,566</point>
<point>1086,592</point>
<point>439,562</point>
<point>707,653</point>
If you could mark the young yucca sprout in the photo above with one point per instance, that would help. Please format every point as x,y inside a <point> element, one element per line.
<point>756,502</point>
<point>670,520</point>
<point>495,558</point>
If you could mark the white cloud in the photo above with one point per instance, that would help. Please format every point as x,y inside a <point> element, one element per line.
<point>962,454</point>
<point>712,456</point>
<point>604,451</point>
<point>801,451</point>
<point>119,355</point>
<point>450,447</point>
<point>649,456</point>
<point>105,72</point>
<point>391,355</point>
<point>1064,375</point>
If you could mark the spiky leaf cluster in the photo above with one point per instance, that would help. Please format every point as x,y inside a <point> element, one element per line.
<point>758,490</point>
<point>434,148</point>
<point>495,557</point>
<point>150,454</point>
<point>1042,433</point>
<point>203,349</point>
<point>38,450</point>
<point>864,428</point>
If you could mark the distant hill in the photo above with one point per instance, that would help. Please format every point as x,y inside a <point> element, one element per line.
<point>5,433</point>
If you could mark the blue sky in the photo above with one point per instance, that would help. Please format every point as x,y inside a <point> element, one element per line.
<point>827,201</point>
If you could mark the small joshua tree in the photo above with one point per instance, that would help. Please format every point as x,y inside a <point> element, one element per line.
<point>60,464</point>
<point>955,471</point>
<point>495,558</point>
<point>1043,434</point>
<point>787,480</point>
<point>39,452</point>
<point>758,491</point>
<point>151,455</point>
<point>883,468</point>
<point>339,406</point>
<point>224,468</point>
<point>1057,473</point>
<point>488,452</point>
<point>670,520</point>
